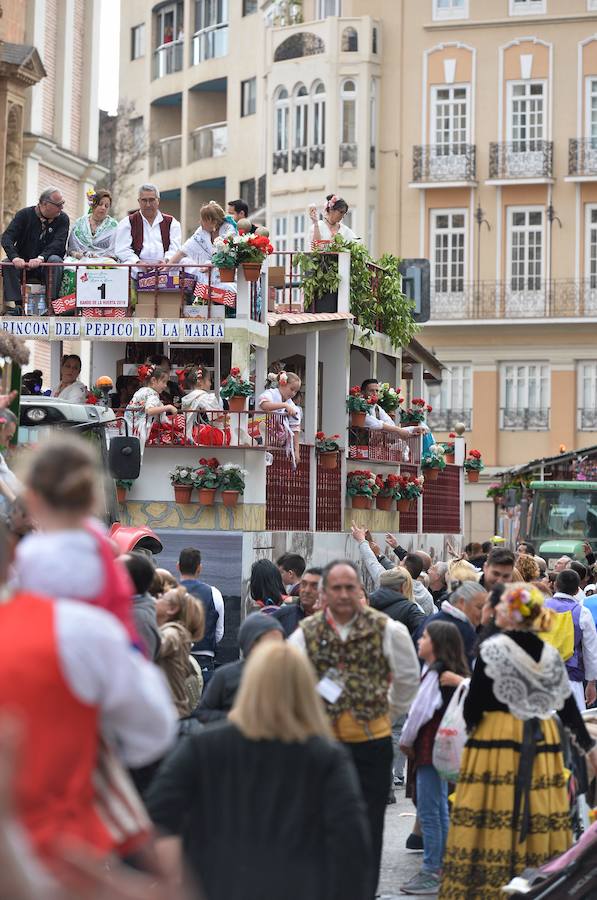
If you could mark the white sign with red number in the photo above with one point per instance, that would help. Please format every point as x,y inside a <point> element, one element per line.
<point>107,287</point>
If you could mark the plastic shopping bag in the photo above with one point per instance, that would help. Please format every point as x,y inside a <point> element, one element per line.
<point>451,736</point>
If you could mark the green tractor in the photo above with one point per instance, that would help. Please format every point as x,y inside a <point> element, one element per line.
<point>564,516</point>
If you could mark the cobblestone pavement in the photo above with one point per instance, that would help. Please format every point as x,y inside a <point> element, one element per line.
<point>398,864</point>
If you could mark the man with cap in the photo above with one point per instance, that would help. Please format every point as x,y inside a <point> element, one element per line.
<point>218,697</point>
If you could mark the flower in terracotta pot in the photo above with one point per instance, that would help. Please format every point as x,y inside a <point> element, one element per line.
<point>225,255</point>
<point>416,412</point>
<point>122,486</point>
<point>410,487</point>
<point>433,461</point>
<point>182,475</point>
<point>232,483</point>
<point>327,443</point>
<point>361,483</point>
<point>207,475</point>
<point>235,386</point>
<point>388,398</point>
<point>473,465</point>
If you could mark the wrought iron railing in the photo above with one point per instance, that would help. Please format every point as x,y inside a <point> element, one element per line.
<point>582,156</point>
<point>587,419</point>
<point>519,419</point>
<point>167,59</point>
<point>166,154</point>
<point>349,155</point>
<point>280,161</point>
<point>521,159</point>
<point>447,419</point>
<point>560,298</point>
<point>208,141</point>
<point>444,162</point>
<point>299,158</point>
<point>317,156</point>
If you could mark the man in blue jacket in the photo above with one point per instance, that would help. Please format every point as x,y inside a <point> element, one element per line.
<point>204,651</point>
<point>463,609</point>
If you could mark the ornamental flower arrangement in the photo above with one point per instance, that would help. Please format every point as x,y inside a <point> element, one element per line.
<point>433,461</point>
<point>411,487</point>
<point>181,479</point>
<point>449,447</point>
<point>389,398</point>
<point>327,447</point>
<point>358,407</point>
<point>524,602</point>
<point>362,487</point>
<point>473,465</point>
<point>415,414</point>
<point>251,252</point>
<point>225,258</point>
<point>389,490</point>
<point>235,390</point>
<point>232,482</point>
<point>206,479</point>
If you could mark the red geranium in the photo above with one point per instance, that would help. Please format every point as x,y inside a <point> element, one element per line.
<point>451,435</point>
<point>429,408</point>
<point>235,371</point>
<point>91,399</point>
<point>203,461</point>
<point>321,434</point>
<point>475,454</point>
<point>355,391</point>
<point>418,401</point>
<point>212,462</point>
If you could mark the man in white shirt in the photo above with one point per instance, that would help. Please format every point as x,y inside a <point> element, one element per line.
<point>379,420</point>
<point>147,235</point>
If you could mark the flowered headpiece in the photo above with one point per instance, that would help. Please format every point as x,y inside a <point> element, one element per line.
<point>90,194</point>
<point>524,601</point>
<point>331,202</point>
<point>145,372</point>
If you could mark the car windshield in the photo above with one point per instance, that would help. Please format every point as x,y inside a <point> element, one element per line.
<point>565,514</point>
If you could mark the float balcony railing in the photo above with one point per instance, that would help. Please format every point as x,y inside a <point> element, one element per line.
<point>155,285</point>
<point>383,446</point>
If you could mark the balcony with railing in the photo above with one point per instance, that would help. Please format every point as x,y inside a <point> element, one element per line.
<point>167,59</point>
<point>587,419</point>
<point>208,141</point>
<point>582,158</point>
<point>209,43</point>
<point>165,154</point>
<point>522,160</point>
<point>444,163</point>
<point>456,300</point>
<point>448,419</point>
<point>348,155</point>
<point>524,419</point>
<point>356,39</point>
<point>299,158</point>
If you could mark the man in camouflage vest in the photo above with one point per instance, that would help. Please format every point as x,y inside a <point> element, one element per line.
<point>368,674</point>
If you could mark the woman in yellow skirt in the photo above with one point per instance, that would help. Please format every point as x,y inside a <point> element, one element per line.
<point>511,809</point>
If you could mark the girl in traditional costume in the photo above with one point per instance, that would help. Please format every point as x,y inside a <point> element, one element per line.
<point>146,412</point>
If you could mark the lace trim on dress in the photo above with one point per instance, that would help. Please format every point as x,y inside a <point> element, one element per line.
<point>529,689</point>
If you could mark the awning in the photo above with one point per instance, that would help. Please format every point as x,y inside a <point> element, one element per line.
<point>416,353</point>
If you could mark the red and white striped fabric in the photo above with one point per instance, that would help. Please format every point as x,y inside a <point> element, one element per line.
<point>64,304</point>
<point>105,313</point>
<point>218,295</point>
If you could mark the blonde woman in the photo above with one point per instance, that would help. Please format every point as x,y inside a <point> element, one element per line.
<point>288,820</point>
<point>181,621</point>
<point>286,425</point>
<point>196,253</point>
<point>460,570</point>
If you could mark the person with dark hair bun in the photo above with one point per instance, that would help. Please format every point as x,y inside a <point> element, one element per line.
<point>210,431</point>
<point>325,228</point>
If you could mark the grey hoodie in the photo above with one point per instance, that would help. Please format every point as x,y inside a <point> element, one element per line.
<point>146,624</point>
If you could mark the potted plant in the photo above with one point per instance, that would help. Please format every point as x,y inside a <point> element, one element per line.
<point>121,488</point>
<point>252,249</point>
<point>358,407</point>
<point>433,462</point>
<point>327,448</point>
<point>387,491</point>
<point>473,465</point>
<point>409,490</point>
<point>415,414</point>
<point>361,487</point>
<point>182,481</point>
<point>235,390</point>
<point>232,483</point>
<point>389,399</point>
<point>495,492</point>
<point>225,258</point>
<point>449,448</point>
<point>207,480</point>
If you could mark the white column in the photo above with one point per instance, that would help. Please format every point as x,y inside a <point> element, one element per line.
<point>312,367</point>
<point>344,286</point>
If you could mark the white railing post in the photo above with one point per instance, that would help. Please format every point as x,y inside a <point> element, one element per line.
<point>344,285</point>
<point>243,295</point>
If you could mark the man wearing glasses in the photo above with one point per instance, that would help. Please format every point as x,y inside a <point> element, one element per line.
<point>147,235</point>
<point>36,235</point>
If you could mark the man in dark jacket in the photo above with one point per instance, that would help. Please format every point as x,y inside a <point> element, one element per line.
<point>204,651</point>
<point>292,567</point>
<point>290,615</point>
<point>389,599</point>
<point>218,697</point>
<point>463,609</point>
<point>36,235</point>
<point>142,572</point>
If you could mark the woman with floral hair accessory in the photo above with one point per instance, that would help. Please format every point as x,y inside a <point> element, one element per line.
<point>511,809</point>
<point>209,431</point>
<point>279,399</point>
<point>324,230</point>
<point>146,411</point>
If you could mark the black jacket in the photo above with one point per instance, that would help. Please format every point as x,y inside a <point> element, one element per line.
<point>144,614</point>
<point>287,820</point>
<point>397,607</point>
<point>290,616</point>
<point>467,632</point>
<point>23,236</point>
<point>219,694</point>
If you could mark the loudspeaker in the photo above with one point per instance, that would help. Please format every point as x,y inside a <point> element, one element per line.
<point>124,458</point>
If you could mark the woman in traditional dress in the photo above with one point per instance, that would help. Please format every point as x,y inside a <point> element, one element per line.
<point>146,411</point>
<point>212,430</point>
<point>196,254</point>
<point>92,237</point>
<point>324,230</point>
<point>511,809</point>
<point>284,428</point>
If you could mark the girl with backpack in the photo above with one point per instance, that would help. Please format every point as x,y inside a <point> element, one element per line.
<point>442,651</point>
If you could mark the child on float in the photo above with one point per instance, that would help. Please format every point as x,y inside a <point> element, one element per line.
<point>146,412</point>
<point>284,428</point>
<point>442,651</point>
<point>212,430</point>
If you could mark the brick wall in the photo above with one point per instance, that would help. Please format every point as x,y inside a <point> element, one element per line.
<point>78,74</point>
<point>48,55</point>
<point>74,206</point>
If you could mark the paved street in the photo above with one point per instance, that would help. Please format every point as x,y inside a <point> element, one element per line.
<point>398,864</point>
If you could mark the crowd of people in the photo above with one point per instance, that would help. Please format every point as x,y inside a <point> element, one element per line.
<point>123,741</point>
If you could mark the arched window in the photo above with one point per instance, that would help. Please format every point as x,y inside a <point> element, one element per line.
<point>317,148</point>
<point>372,123</point>
<point>350,40</point>
<point>300,140</point>
<point>281,130</point>
<point>348,123</point>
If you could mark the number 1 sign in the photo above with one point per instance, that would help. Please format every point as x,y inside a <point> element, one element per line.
<point>102,286</point>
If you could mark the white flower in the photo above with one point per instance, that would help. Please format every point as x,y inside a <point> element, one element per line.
<point>183,473</point>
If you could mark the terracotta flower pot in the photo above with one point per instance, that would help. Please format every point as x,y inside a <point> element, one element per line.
<point>384,503</point>
<point>449,458</point>
<point>182,493</point>
<point>237,404</point>
<point>227,275</point>
<point>472,475</point>
<point>328,459</point>
<point>357,419</point>
<point>121,493</point>
<point>431,474</point>
<point>230,498</point>
<point>359,501</point>
<point>403,505</point>
<point>207,496</point>
<point>252,271</point>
